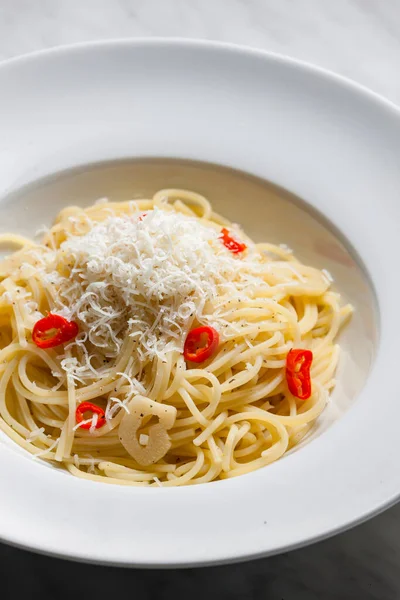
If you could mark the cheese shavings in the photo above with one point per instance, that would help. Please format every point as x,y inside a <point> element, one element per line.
<point>147,278</point>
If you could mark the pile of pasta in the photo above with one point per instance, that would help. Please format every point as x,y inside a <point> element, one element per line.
<point>152,342</point>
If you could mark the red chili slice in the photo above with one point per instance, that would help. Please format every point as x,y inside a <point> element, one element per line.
<point>235,246</point>
<point>53,330</point>
<point>92,409</point>
<point>142,216</point>
<point>298,364</point>
<point>200,344</point>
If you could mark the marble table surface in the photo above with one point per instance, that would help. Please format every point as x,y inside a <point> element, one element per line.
<point>357,38</point>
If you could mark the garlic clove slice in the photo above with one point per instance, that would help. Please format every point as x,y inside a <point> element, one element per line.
<point>158,443</point>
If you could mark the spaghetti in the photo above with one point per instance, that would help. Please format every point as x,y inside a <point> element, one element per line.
<point>168,347</point>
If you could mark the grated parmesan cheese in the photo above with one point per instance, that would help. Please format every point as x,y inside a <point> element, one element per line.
<point>143,439</point>
<point>286,248</point>
<point>148,279</point>
<point>35,434</point>
<point>46,450</point>
<point>328,275</point>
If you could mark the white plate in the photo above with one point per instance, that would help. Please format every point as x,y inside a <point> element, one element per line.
<point>323,138</point>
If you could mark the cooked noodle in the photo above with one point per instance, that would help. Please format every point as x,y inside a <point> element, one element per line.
<point>227,416</point>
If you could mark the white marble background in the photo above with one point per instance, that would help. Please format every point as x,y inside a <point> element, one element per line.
<point>357,38</point>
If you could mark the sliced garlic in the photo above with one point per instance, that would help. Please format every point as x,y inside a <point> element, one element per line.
<point>158,442</point>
